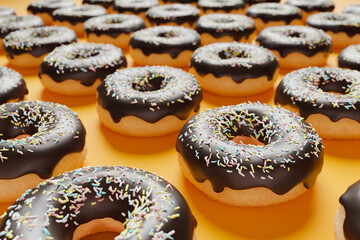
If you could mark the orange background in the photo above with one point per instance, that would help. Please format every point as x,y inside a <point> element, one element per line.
<point>307,217</point>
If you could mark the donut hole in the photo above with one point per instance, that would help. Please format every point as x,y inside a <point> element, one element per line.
<point>293,34</point>
<point>331,85</point>
<point>85,53</point>
<point>247,140</point>
<point>167,34</point>
<point>233,53</point>
<point>335,18</point>
<point>149,83</point>
<point>43,34</point>
<point>223,20</point>
<point>172,9</point>
<point>114,21</point>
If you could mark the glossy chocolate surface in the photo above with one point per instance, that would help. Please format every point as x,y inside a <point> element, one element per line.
<point>78,14</point>
<point>12,23</point>
<point>12,85</point>
<point>134,6</point>
<point>350,57</point>
<point>274,12</point>
<point>313,5</point>
<point>48,6</point>
<point>172,13</point>
<point>221,5</point>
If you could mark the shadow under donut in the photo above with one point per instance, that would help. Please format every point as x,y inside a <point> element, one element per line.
<point>24,71</point>
<point>349,148</point>
<point>67,100</point>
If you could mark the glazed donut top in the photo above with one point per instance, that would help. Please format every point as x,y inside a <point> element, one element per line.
<point>150,93</point>
<point>310,90</point>
<point>37,41</point>
<point>6,11</point>
<point>134,6</point>
<point>353,8</point>
<point>104,3</point>
<point>292,153</point>
<point>149,207</point>
<point>274,12</point>
<point>239,61</point>
<point>78,14</point>
<point>12,23</point>
<point>55,131</point>
<point>350,201</point>
<point>350,57</point>
<point>12,85</point>
<point>85,62</point>
<point>177,13</point>
<point>114,24</point>
<point>336,22</point>
<point>48,6</point>
<point>219,25</point>
<point>287,39</point>
<point>224,5</point>
<point>165,39</point>
<point>313,5</point>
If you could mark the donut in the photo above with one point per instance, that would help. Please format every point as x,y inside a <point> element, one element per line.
<point>352,8</point>
<point>309,7</point>
<point>12,23</point>
<point>114,29</point>
<point>139,204</point>
<point>12,86</point>
<point>77,69</point>
<point>274,14</point>
<point>225,27</point>
<point>328,98</point>
<point>6,11</point>
<point>137,7</point>
<point>164,45</point>
<point>74,17</point>
<point>148,101</point>
<point>350,57</point>
<point>343,28</point>
<point>221,6</point>
<point>280,166</point>
<point>192,2</point>
<point>28,47</point>
<point>296,46</point>
<point>45,8</point>
<point>234,69</point>
<point>104,3</point>
<point>348,214</point>
<point>54,143</point>
<point>248,3</point>
<point>173,14</point>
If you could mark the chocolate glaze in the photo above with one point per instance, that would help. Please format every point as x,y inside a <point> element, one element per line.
<point>84,62</point>
<point>114,24</point>
<point>179,1</point>
<point>172,13</point>
<point>313,5</point>
<point>308,90</point>
<point>165,39</point>
<point>218,25</point>
<point>12,23</point>
<point>150,93</point>
<point>274,12</point>
<point>352,8</point>
<point>292,153</point>
<point>221,5</point>
<point>288,39</point>
<point>37,41</point>
<point>78,14</point>
<point>6,11</point>
<point>350,57</point>
<point>238,61</point>
<point>252,2</point>
<point>350,201</point>
<point>150,206</point>
<point>12,85</point>
<point>336,22</point>
<point>134,6</point>
<point>55,132</point>
<point>104,3</point>
<point>48,6</point>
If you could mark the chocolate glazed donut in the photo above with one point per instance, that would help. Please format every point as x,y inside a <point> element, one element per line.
<point>350,57</point>
<point>12,85</point>
<point>12,23</point>
<point>48,6</point>
<point>148,206</point>
<point>226,6</point>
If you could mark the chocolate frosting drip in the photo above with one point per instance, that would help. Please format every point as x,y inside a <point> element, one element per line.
<point>78,14</point>
<point>134,6</point>
<point>114,24</point>
<point>336,22</point>
<point>83,62</point>
<point>350,57</point>
<point>352,8</point>
<point>350,201</point>
<point>104,3</point>
<point>172,13</point>
<point>292,153</point>
<point>274,12</point>
<point>313,5</point>
<point>165,39</point>
<point>55,132</point>
<point>309,90</point>
<point>12,85</point>
<point>12,23</point>
<point>150,206</point>
<point>48,6</point>
<point>252,2</point>
<point>6,11</point>
<point>220,25</point>
<point>37,41</point>
<point>288,39</point>
<point>223,5</point>
<point>238,61</point>
<point>150,93</point>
